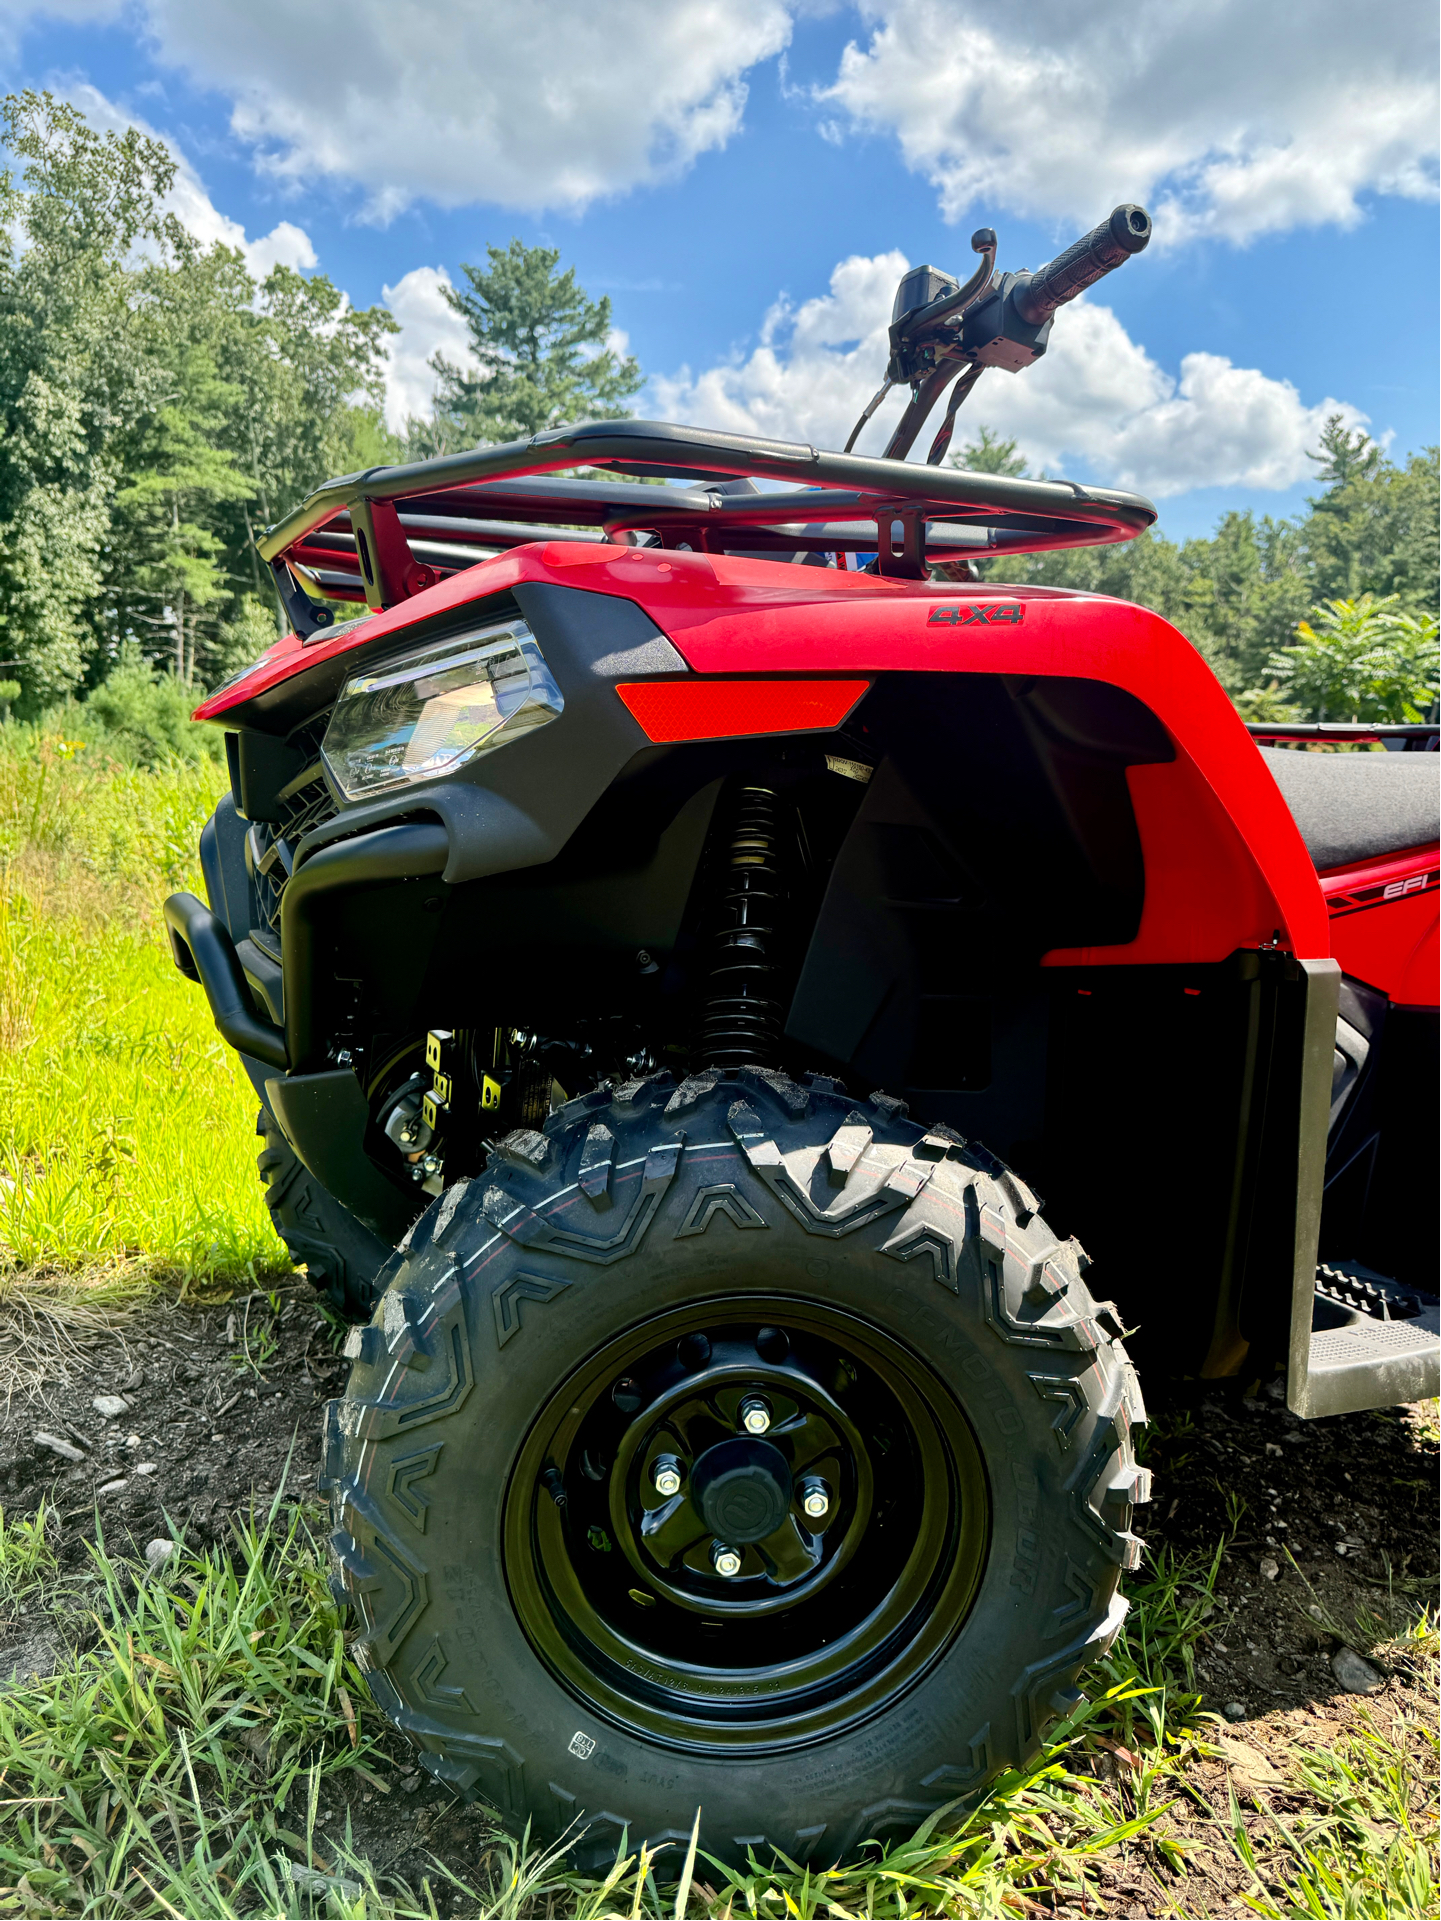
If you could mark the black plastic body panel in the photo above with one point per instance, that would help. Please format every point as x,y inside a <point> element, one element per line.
<point>516,807</point>
<point>222,862</point>
<point>1183,1146</point>
<point>263,765</point>
<point>999,824</point>
<point>325,1117</point>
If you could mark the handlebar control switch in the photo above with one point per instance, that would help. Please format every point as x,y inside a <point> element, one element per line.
<point>995,335</point>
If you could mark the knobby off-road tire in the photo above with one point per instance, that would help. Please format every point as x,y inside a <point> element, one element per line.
<point>617,1293</point>
<point>341,1256</point>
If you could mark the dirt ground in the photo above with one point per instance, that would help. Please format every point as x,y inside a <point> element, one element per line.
<point>221,1402</point>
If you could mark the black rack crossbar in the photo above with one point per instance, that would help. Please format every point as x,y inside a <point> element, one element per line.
<point>499,496</point>
<point>1342,730</point>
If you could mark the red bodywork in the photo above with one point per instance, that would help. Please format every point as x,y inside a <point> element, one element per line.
<point>1226,867</point>
<point>1384,923</point>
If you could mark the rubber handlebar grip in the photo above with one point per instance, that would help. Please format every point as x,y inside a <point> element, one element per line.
<point>1082,264</point>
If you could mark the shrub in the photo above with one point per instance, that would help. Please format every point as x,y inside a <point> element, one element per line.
<point>143,716</point>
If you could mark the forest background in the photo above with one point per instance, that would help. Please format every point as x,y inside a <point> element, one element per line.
<point>159,406</point>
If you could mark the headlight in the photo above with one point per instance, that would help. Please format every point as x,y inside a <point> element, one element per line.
<point>432,711</point>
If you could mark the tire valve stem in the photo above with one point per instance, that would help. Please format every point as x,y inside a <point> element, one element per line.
<point>553,1482</point>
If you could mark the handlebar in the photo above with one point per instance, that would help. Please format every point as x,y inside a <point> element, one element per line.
<point>1082,264</point>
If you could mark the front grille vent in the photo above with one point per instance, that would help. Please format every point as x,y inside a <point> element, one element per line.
<point>270,849</point>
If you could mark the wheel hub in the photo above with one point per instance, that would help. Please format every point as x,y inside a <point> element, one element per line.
<point>728,1531</point>
<point>742,1489</point>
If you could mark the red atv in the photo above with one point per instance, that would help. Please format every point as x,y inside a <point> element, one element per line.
<point>718,1434</point>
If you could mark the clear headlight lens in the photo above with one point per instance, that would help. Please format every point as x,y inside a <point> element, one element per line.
<point>432,711</point>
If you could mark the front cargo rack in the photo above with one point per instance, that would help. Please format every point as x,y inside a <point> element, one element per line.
<point>390,532</point>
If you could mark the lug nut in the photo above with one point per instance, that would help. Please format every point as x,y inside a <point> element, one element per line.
<point>665,1475</point>
<point>815,1500</point>
<point>725,1560</point>
<point>755,1415</point>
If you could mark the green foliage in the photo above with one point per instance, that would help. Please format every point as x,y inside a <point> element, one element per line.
<point>1374,530</point>
<point>542,347</point>
<point>27,1560</point>
<point>1239,596</point>
<point>989,454</point>
<point>154,400</point>
<point>143,716</point>
<point>177,1765</point>
<point>126,1123</point>
<point>1368,661</point>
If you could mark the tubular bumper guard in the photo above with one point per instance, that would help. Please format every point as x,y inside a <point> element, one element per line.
<point>204,952</point>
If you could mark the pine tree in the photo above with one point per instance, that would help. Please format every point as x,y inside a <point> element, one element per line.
<point>543,353</point>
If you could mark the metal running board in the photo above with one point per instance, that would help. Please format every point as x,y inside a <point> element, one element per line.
<point>1373,1344</point>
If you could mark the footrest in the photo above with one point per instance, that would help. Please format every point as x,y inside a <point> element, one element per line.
<point>1372,1344</point>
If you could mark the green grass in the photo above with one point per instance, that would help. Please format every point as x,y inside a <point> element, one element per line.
<point>126,1124</point>
<point>181,1763</point>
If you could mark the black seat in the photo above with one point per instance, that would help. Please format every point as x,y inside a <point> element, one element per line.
<point>1353,807</point>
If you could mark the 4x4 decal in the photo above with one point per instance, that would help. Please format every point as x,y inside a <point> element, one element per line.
<point>1007,613</point>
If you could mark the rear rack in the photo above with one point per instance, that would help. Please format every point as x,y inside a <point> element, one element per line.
<point>1419,735</point>
<point>351,539</point>
<point>1343,730</point>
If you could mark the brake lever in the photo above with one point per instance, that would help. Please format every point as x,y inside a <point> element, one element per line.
<point>983,242</point>
<point>918,326</point>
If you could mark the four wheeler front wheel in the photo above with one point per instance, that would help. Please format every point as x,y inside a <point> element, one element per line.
<point>733,1446</point>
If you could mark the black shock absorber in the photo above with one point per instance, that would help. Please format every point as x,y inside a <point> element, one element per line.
<point>744,1006</point>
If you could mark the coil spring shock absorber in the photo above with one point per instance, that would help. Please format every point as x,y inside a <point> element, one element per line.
<point>743,1009</point>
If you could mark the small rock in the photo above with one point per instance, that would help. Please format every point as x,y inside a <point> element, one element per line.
<point>1250,1766</point>
<point>1354,1674</point>
<point>133,1440</point>
<point>314,1882</point>
<point>1315,1612</point>
<point>1273,1447</point>
<point>133,1380</point>
<point>1269,1569</point>
<point>1340,1547</point>
<point>410,1782</point>
<point>157,1553</point>
<point>56,1446</point>
<point>1234,1710</point>
<point>31,1660</point>
<point>111,1406</point>
<point>146,1467</point>
<point>111,1487</point>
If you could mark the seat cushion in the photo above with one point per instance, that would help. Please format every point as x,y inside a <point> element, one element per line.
<point>1353,807</point>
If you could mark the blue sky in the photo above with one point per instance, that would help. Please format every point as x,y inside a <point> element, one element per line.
<point>745,178</point>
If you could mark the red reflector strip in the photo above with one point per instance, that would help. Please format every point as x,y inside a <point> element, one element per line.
<point>720,709</point>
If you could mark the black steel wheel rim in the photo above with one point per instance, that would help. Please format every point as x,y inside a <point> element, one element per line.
<point>660,1553</point>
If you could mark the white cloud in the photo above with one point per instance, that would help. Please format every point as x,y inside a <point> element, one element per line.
<point>427,323</point>
<point>16,15</point>
<point>813,387</point>
<point>1233,117</point>
<point>1236,118</point>
<point>1097,397</point>
<point>520,104</point>
<point>285,244</point>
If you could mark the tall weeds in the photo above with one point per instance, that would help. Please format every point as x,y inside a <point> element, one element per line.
<point>125,1122</point>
